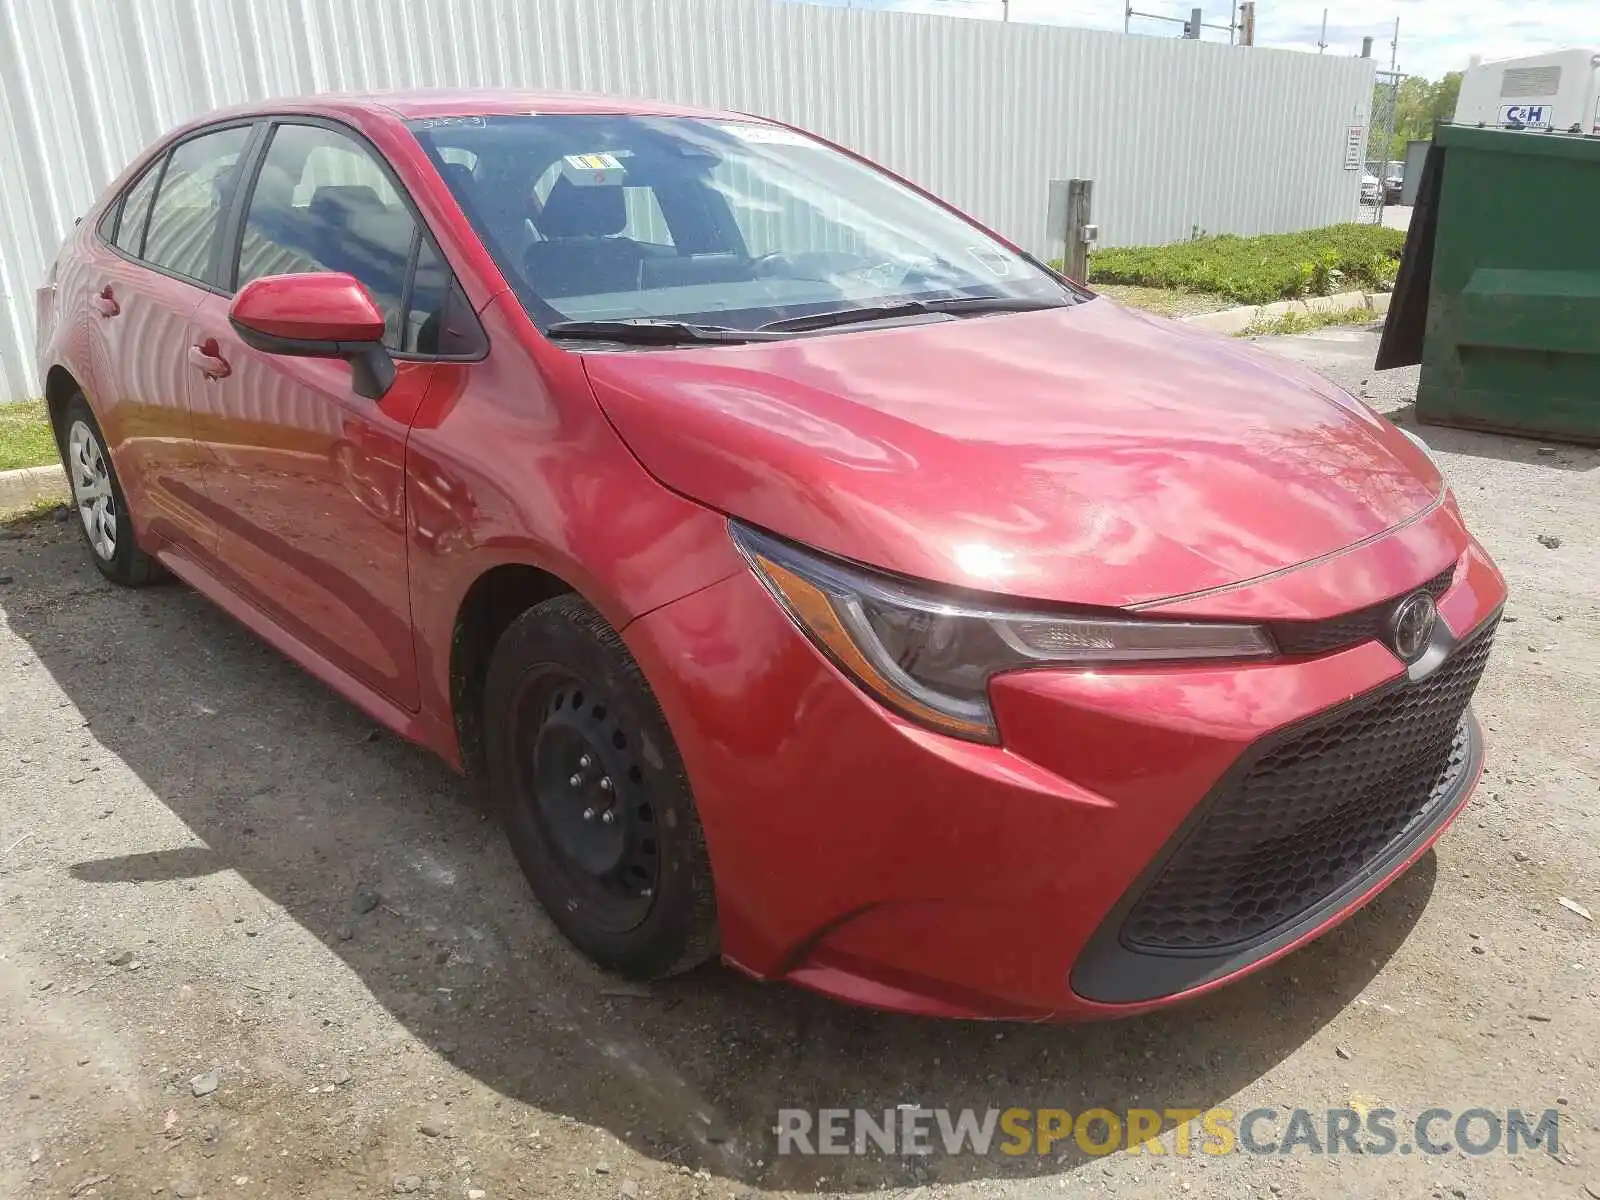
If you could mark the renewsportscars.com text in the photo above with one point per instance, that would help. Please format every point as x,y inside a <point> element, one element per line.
<point>1214,1131</point>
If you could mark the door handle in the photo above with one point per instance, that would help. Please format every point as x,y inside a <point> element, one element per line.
<point>207,356</point>
<point>106,302</point>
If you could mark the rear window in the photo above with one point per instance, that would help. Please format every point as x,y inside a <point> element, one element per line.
<point>195,191</point>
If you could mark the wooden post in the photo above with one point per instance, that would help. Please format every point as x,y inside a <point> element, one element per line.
<point>1079,221</point>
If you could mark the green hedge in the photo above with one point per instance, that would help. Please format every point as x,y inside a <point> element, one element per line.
<point>1258,270</point>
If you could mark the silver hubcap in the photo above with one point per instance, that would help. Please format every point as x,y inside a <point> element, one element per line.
<point>91,489</point>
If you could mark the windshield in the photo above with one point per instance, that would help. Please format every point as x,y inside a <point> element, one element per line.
<point>729,223</point>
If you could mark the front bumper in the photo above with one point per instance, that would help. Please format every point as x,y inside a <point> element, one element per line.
<point>878,862</point>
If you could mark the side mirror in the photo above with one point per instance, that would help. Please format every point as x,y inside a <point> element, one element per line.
<point>327,314</point>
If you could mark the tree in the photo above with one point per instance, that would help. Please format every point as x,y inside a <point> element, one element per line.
<point>1417,106</point>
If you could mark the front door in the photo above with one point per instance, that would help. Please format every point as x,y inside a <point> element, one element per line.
<point>306,478</point>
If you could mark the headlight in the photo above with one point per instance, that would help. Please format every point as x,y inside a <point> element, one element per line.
<point>930,656</point>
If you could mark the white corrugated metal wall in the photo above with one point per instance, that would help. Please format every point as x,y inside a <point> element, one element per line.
<point>1175,134</point>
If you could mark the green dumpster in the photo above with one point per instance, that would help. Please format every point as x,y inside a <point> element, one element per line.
<point>1499,290</point>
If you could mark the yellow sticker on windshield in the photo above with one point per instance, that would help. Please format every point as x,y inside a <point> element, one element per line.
<point>592,170</point>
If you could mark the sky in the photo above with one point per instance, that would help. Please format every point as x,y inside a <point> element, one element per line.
<point>1435,35</point>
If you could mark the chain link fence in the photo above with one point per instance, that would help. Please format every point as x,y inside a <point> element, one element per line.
<point>1380,165</point>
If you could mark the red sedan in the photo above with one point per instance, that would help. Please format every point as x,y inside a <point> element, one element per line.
<point>815,579</point>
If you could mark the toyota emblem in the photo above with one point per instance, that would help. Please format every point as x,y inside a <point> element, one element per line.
<point>1411,628</point>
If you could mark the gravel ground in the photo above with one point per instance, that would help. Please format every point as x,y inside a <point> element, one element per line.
<point>252,946</point>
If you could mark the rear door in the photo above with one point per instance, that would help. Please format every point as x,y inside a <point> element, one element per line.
<point>153,261</point>
<point>306,477</point>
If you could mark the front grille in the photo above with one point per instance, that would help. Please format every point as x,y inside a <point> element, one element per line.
<point>1351,629</point>
<point>1297,824</point>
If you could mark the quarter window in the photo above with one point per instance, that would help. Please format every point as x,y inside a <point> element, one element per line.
<point>440,320</point>
<point>322,203</point>
<point>194,193</point>
<point>136,210</point>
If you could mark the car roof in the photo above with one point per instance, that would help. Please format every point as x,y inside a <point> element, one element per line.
<point>473,102</point>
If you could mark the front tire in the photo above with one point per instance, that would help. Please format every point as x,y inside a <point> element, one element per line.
<point>593,795</point>
<point>97,498</point>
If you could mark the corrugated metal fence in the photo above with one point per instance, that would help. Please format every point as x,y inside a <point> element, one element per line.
<point>1175,134</point>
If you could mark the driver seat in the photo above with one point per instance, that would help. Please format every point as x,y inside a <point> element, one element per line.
<point>582,254</point>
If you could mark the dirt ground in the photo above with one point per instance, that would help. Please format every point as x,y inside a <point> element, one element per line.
<point>208,863</point>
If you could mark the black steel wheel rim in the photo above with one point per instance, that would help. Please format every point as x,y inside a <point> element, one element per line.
<point>580,780</point>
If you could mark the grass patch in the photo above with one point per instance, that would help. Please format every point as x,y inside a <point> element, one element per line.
<point>1306,322</point>
<point>25,437</point>
<point>33,513</point>
<point>1259,270</point>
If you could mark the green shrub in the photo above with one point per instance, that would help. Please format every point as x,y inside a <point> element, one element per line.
<point>1259,270</point>
<point>1306,322</point>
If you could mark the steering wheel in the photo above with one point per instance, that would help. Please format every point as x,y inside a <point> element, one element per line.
<point>774,264</point>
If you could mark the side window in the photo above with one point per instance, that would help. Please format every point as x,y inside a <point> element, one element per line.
<point>195,191</point>
<point>136,210</point>
<point>440,320</point>
<point>322,203</point>
<point>459,155</point>
<point>546,181</point>
<point>646,222</point>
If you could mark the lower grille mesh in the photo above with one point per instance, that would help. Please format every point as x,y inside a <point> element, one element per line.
<point>1311,813</point>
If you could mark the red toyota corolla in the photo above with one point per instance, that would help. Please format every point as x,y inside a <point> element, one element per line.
<point>814,578</point>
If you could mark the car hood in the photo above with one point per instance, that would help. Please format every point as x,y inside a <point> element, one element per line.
<point>1089,454</point>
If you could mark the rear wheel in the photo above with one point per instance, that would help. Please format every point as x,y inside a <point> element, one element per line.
<point>593,795</point>
<point>97,496</point>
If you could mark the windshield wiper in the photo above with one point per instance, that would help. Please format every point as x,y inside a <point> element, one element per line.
<point>653,331</point>
<point>956,306</point>
<point>649,331</point>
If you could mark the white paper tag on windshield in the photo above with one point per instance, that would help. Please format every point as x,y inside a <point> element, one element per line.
<point>766,135</point>
<point>995,262</point>
<point>592,170</point>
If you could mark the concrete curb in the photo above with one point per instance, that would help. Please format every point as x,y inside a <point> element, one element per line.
<point>1237,320</point>
<point>24,486</point>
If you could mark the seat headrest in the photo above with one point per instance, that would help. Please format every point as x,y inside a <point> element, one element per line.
<point>336,201</point>
<point>582,211</point>
<point>459,177</point>
<point>274,187</point>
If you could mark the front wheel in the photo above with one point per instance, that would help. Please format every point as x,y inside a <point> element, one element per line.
<point>97,496</point>
<point>593,795</point>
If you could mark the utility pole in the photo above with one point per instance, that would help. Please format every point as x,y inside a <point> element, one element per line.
<point>1068,221</point>
<point>1394,48</point>
<point>1322,39</point>
<point>1247,23</point>
<point>1005,10</point>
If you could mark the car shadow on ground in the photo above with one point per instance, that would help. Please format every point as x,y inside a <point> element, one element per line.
<point>389,860</point>
<point>1541,451</point>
